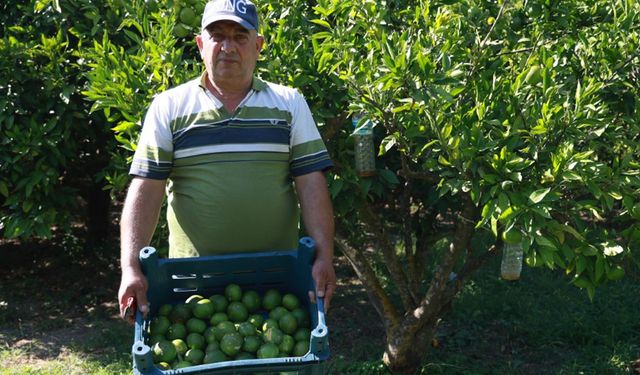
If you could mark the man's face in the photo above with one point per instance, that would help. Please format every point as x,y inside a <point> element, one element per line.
<point>229,52</point>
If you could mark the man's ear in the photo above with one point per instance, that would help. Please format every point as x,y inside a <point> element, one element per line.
<point>199,42</point>
<point>259,43</point>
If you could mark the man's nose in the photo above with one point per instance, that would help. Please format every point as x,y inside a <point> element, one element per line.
<point>227,44</point>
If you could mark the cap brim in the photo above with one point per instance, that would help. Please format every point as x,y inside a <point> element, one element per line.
<point>208,21</point>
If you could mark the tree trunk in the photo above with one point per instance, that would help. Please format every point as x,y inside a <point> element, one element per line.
<point>406,347</point>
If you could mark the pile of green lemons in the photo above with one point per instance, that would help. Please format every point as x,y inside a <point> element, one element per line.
<point>189,14</point>
<point>233,325</point>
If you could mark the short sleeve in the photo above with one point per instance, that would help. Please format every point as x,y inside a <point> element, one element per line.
<point>308,151</point>
<point>154,153</point>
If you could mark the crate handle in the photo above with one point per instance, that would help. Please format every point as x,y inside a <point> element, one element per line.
<point>319,336</point>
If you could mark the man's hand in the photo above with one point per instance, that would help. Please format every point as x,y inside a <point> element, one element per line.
<point>133,286</point>
<point>324,276</point>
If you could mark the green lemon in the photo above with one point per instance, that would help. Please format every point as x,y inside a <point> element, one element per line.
<point>160,325</point>
<point>512,236</point>
<point>196,325</point>
<point>180,345</point>
<point>203,309</point>
<point>163,366</point>
<point>268,350</point>
<point>233,292</point>
<point>271,299</point>
<point>219,302</point>
<point>237,312</point>
<point>165,310</point>
<point>215,356</point>
<point>302,334</point>
<point>533,75</point>
<point>251,344</point>
<point>194,298</point>
<point>180,31</point>
<point>180,313</point>
<point>195,341</point>
<point>245,355</point>
<point>210,335</point>
<point>269,323</point>
<point>231,343</point>
<point>223,328</point>
<point>163,351</point>
<point>257,320</point>
<point>273,335</point>
<point>182,364</point>
<point>194,356</point>
<point>176,331</point>
<point>287,344</point>
<point>288,323</point>
<point>212,346</point>
<point>301,348</point>
<point>247,329</point>
<point>302,316</point>
<point>217,318</point>
<point>251,300</point>
<point>187,16</point>
<point>290,301</point>
<point>277,313</point>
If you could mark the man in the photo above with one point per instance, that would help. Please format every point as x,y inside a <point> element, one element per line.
<point>233,153</point>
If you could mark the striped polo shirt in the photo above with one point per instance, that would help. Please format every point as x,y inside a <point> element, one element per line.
<point>230,185</point>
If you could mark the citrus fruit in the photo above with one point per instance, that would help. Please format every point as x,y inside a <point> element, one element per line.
<point>302,316</point>
<point>210,334</point>
<point>301,348</point>
<point>237,312</point>
<point>273,335</point>
<point>180,30</point>
<point>269,323</point>
<point>165,310</point>
<point>180,313</point>
<point>160,325</point>
<point>219,302</point>
<point>277,313</point>
<point>196,325</point>
<point>213,345</point>
<point>244,355</point>
<point>271,299</point>
<point>163,366</point>
<point>287,344</point>
<point>302,334</point>
<point>154,338</point>
<point>182,364</point>
<point>290,301</point>
<point>256,320</point>
<point>193,299</point>
<point>288,323</point>
<point>251,300</point>
<point>163,351</point>
<point>176,331</point>
<point>233,292</point>
<point>215,356</point>
<point>180,346</point>
<point>194,356</point>
<point>187,16</point>
<point>512,236</point>
<point>268,350</point>
<point>246,329</point>
<point>203,309</point>
<point>195,341</point>
<point>217,318</point>
<point>223,328</point>
<point>251,344</point>
<point>231,343</point>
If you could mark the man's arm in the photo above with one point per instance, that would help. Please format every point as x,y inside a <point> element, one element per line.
<point>137,224</point>
<point>317,214</point>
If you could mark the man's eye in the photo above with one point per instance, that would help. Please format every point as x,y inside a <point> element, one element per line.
<point>241,38</point>
<point>217,37</point>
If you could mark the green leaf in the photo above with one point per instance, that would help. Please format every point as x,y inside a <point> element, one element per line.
<point>538,195</point>
<point>3,189</point>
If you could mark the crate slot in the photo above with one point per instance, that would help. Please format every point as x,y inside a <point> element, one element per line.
<point>211,275</point>
<point>185,290</point>
<point>243,272</point>
<point>275,270</point>
<point>184,277</point>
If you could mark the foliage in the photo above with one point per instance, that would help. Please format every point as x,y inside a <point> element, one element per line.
<point>52,149</point>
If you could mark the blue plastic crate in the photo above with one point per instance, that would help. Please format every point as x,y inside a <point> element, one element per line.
<point>174,280</point>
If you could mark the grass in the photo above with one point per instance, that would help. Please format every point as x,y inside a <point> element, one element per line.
<point>58,316</point>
